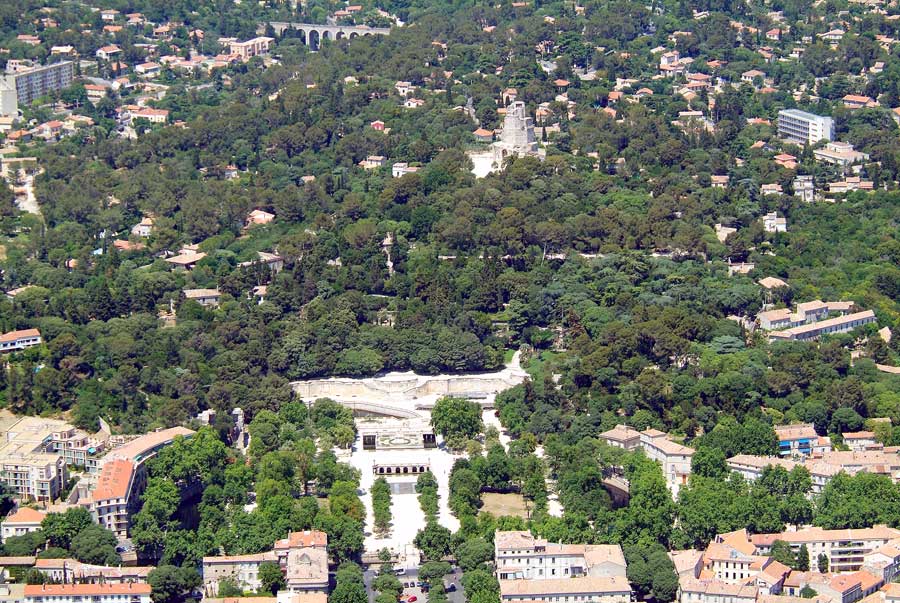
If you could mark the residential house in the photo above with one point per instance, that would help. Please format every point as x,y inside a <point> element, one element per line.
<point>258,217</point>
<point>302,557</point>
<point>400,169</point>
<point>482,135</point>
<point>674,458</point>
<point>95,92</point>
<point>805,188</point>
<point>208,298</point>
<point>773,223</point>
<point>107,53</point>
<point>855,101</point>
<point>147,70</point>
<point>15,341</point>
<point>372,162</point>
<point>22,521</point>
<point>622,436</point>
<point>859,441</point>
<point>404,88</point>
<point>850,184</point>
<point>144,228</point>
<point>185,261</point>
<point>841,154</point>
<point>799,440</point>
<point>719,181</point>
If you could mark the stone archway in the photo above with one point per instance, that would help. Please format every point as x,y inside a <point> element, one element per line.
<point>353,34</point>
<point>313,39</point>
<point>339,35</point>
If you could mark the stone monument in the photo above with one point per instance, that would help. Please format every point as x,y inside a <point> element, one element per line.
<point>517,137</point>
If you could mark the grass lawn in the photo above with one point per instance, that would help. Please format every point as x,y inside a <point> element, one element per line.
<point>507,356</point>
<point>537,365</point>
<point>503,504</point>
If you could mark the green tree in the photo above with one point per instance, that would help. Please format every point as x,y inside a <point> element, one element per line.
<point>456,417</point>
<point>781,552</point>
<point>433,540</point>
<point>381,506</point>
<point>271,578</point>
<point>473,553</point>
<point>171,584</point>
<point>803,558</point>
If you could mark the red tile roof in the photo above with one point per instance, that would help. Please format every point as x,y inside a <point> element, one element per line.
<point>114,480</point>
<point>62,590</point>
<point>16,335</point>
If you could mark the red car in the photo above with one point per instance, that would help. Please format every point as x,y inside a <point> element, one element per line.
<point>412,599</point>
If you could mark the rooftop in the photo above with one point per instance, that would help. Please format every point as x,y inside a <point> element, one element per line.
<point>68,590</point>
<point>582,585</point>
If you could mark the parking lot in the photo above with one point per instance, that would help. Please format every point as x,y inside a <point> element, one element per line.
<point>410,588</point>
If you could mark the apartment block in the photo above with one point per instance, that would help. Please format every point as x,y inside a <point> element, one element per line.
<point>35,453</point>
<point>34,83</point>
<point>521,556</point>
<point>115,495</point>
<point>251,48</point>
<point>845,549</point>
<point>567,590</point>
<point>831,326</point>
<point>95,593</point>
<point>800,440</point>
<point>804,128</point>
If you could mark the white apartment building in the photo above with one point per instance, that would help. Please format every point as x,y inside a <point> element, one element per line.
<point>845,549</point>
<point>804,128</point>
<point>520,556</point>
<point>840,324</point>
<point>113,499</point>
<point>251,48</point>
<point>39,81</point>
<point>34,476</point>
<point>807,313</point>
<point>23,521</point>
<point>674,458</point>
<point>95,593</point>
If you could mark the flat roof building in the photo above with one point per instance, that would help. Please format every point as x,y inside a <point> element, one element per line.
<point>803,128</point>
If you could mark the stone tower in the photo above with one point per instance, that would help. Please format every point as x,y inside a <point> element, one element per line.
<point>517,137</point>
